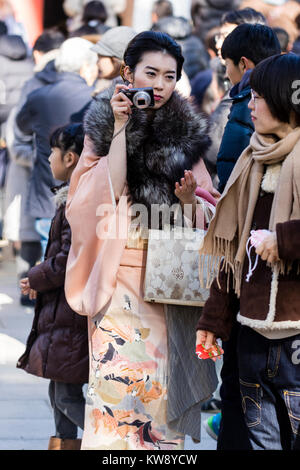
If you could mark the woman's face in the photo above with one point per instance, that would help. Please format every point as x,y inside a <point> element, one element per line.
<point>107,68</point>
<point>264,122</point>
<point>157,70</point>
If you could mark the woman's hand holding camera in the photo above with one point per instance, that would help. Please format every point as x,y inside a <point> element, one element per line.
<point>121,106</point>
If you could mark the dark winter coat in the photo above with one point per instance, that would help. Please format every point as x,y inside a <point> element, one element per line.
<point>48,75</point>
<point>46,109</point>
<point>237,132</point>
<point>57,346</point>
<point>15,69</point>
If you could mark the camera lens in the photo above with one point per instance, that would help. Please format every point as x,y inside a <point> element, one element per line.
<point>141,100</point>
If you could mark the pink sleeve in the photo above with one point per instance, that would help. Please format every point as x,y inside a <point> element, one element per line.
<point>96,250</point>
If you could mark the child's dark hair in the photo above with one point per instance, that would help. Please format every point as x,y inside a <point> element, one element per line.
<point>276,79</point>
<point>68,138</point>
<point>152,41</point>
<point>256,42</point>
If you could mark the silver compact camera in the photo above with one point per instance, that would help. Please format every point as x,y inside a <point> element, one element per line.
<point>140,97</point>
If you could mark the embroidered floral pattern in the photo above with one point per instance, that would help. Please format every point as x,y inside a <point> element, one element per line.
<point>127,394</point>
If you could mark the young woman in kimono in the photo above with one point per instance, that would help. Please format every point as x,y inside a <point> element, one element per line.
<point>135,158</point>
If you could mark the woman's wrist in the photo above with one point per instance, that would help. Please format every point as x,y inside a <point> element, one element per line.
<point>189,201</point>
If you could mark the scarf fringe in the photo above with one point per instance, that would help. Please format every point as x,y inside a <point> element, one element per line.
<point>222,259</point>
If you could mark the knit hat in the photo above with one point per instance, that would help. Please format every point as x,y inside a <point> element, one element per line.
<point>113,43</point>
<point>200,83</point>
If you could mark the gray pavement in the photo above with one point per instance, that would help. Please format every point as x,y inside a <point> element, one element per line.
<point>26,421</point>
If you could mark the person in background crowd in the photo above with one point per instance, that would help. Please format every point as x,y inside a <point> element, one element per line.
<point>52,106</point>
<point>281,15</point>
<point>205,91</point>
<point>57,346</point>
<point>19,225</point>
<point>94,18</point>
<point>284,40</point>
<point>196,57</point>
<point>161,9</point>
<point>229,21</point>
<point>296,44</point>
<point>261,289</point>
<point>7,15</point>
<point>206,14</point>
<point>15,68</point>
<point>242,50</point>
<point>74,9</point>
<point>110,50</point>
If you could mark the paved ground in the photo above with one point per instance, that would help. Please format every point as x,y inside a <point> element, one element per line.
<point>25,412</point>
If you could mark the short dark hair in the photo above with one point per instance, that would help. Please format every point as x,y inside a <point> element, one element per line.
<point>94,10</point>
<point>163,8</point>
<point>152,41</point>
<point>246,15</point>
<point>68,138</point>
<point>274,79</point>
<point>3,28</point>
<point>50,39</point>
<point>283,38</point>
<point>254,41</point>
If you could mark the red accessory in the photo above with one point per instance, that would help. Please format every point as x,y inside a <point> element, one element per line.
<point>210,353</point>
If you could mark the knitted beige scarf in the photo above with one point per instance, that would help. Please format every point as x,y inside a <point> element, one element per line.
<point>230,228</point>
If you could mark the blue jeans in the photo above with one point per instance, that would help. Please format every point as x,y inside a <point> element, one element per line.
<point>233,433</point>
<point>269,374</point>
<point>42,226</point>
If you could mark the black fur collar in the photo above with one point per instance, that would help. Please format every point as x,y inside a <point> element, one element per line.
<point>158,149</point>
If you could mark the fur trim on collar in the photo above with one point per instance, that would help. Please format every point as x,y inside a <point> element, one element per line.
<point>271,178</point>
<point>159,148</point>
<point>61,195</point>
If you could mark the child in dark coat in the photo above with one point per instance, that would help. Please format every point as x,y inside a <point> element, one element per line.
<point>57,346</point>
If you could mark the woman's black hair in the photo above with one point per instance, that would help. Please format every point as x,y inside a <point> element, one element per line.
<point>152,41</point>
<point>277,80</point>
<point>68,138</point>
<point>246,15</point>
<point>94,10</point>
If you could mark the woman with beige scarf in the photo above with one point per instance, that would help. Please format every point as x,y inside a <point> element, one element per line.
<point>261,284</point>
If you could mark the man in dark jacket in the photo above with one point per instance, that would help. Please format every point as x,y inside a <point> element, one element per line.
<point>21,151</point>
<point>243,48</point>
<point>52,106</point>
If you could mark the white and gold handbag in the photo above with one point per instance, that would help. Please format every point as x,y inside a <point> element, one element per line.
<point>172,269</point>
